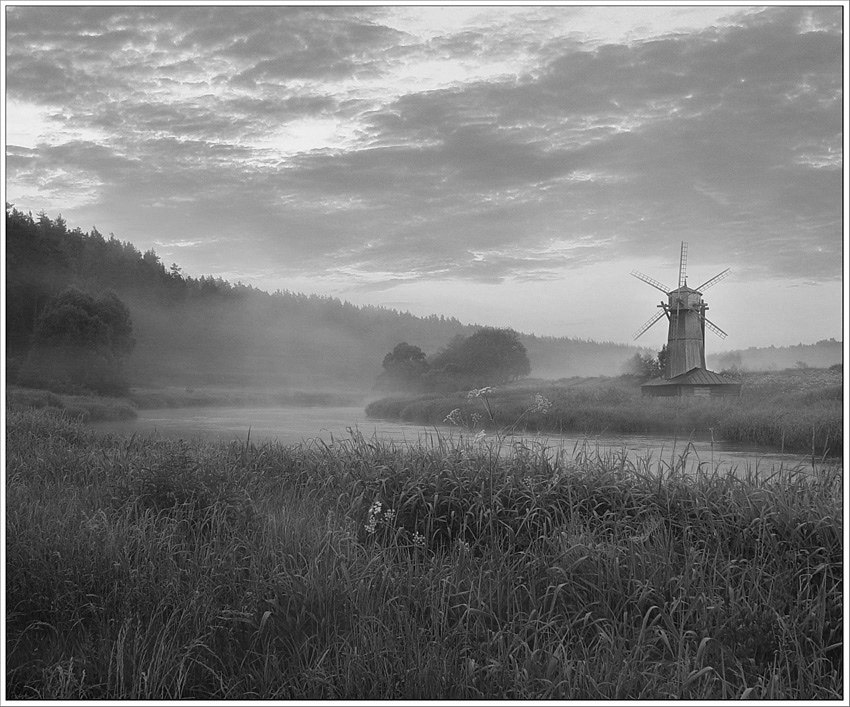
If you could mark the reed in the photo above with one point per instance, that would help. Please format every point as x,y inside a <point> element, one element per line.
<point>88,408</point>
<point>451,569</point>
<point>799,420</point>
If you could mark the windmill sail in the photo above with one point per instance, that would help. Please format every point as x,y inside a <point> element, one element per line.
<point>648,324</point>
<point>649,281</point>
<point>716,329</point>
<point>713,281</point>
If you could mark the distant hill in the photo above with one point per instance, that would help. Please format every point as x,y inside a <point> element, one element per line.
<point>822,354</point>
<point>208,332</point>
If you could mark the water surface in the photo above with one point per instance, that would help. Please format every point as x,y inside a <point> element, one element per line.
<point>294,425</point>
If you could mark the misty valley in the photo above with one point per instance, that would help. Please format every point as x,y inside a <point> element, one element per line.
<point>405,385</point>
<point>215,492</point>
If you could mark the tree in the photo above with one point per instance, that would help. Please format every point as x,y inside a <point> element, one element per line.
<point>645,367</point>
<point>404,368</point>
<point>490,356</point>
<point>81,341</point>
<point>662,360</point>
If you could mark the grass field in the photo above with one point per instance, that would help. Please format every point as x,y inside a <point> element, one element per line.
<point>796,410</point>
<point>139,569</point>
<point>87,408</point>
<point>149,398</point>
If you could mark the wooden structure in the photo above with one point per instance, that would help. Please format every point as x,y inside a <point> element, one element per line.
<point>696,383</point>
<point>684,372</point>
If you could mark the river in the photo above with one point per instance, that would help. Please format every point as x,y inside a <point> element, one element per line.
<point>293,425</point>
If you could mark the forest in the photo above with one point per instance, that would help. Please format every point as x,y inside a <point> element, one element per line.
<point>205,331</point>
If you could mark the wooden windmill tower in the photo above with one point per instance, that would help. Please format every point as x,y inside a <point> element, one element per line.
<point>685,311</point>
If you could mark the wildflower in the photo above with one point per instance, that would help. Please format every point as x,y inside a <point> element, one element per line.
<point>418,540</point>
<point>389,516</point>
<point>541,404</point>
<point>476,418</point>
<point>477,393</point>
<point>453,417</point>
<point>372,521</point>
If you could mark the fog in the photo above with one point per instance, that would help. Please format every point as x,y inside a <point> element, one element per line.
<point>271,344</point>
<point>297,348</point>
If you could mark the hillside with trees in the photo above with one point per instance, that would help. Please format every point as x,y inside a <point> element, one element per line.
<point>822,354</point>
<point>205,331</point>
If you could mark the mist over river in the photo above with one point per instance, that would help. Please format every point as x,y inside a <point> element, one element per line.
<point>294,425</point>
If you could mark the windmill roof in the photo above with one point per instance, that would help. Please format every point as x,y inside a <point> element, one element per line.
<point>696,376</point>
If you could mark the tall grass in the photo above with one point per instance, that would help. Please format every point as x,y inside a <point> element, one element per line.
<point>808,421</point>
<point>88,408</point>
<point>141,569</point>
<point>146,398</point>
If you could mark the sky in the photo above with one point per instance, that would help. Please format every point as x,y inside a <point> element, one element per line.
<point>505,165</point>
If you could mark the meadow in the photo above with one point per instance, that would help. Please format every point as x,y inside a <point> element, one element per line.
<point>141,569</point>
<point>797,410</point>
<point>86,408</point>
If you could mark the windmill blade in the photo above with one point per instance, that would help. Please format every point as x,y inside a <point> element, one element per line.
<point>683,261</point>
<point>649,323</point>
<point>711,325</point>
<point>713,281</point>
<point>649,281</point>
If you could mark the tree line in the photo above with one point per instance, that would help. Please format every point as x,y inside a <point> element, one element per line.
<point>207,331</point>
<point>204,330</point>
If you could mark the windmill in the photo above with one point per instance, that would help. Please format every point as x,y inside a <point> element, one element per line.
<point>685,311</point>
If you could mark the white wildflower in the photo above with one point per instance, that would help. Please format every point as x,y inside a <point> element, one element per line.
<point>541,404</point>
<point>372,521</point>
<point>453,417</point>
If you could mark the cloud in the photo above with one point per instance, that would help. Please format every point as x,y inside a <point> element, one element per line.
<point>356,140</point>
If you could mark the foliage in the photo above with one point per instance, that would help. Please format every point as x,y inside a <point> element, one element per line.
<point>81,340</point>
<point>404,368</point>
<point>86,408</point>
<point>644,367</point>
<point>365,571</point>
<point>795,410</point>
<point>489,357</point>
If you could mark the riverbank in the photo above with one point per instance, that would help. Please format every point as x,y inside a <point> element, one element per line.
<point>96,408</point>
<point>140,569</point>
<point>174,397</point>
<point>798,410</point>
<point>86,408</point>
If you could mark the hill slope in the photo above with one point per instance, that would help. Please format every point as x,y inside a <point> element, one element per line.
<point>205,331</point>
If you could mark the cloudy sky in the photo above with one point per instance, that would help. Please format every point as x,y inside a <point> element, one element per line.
<point>505,165</point>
